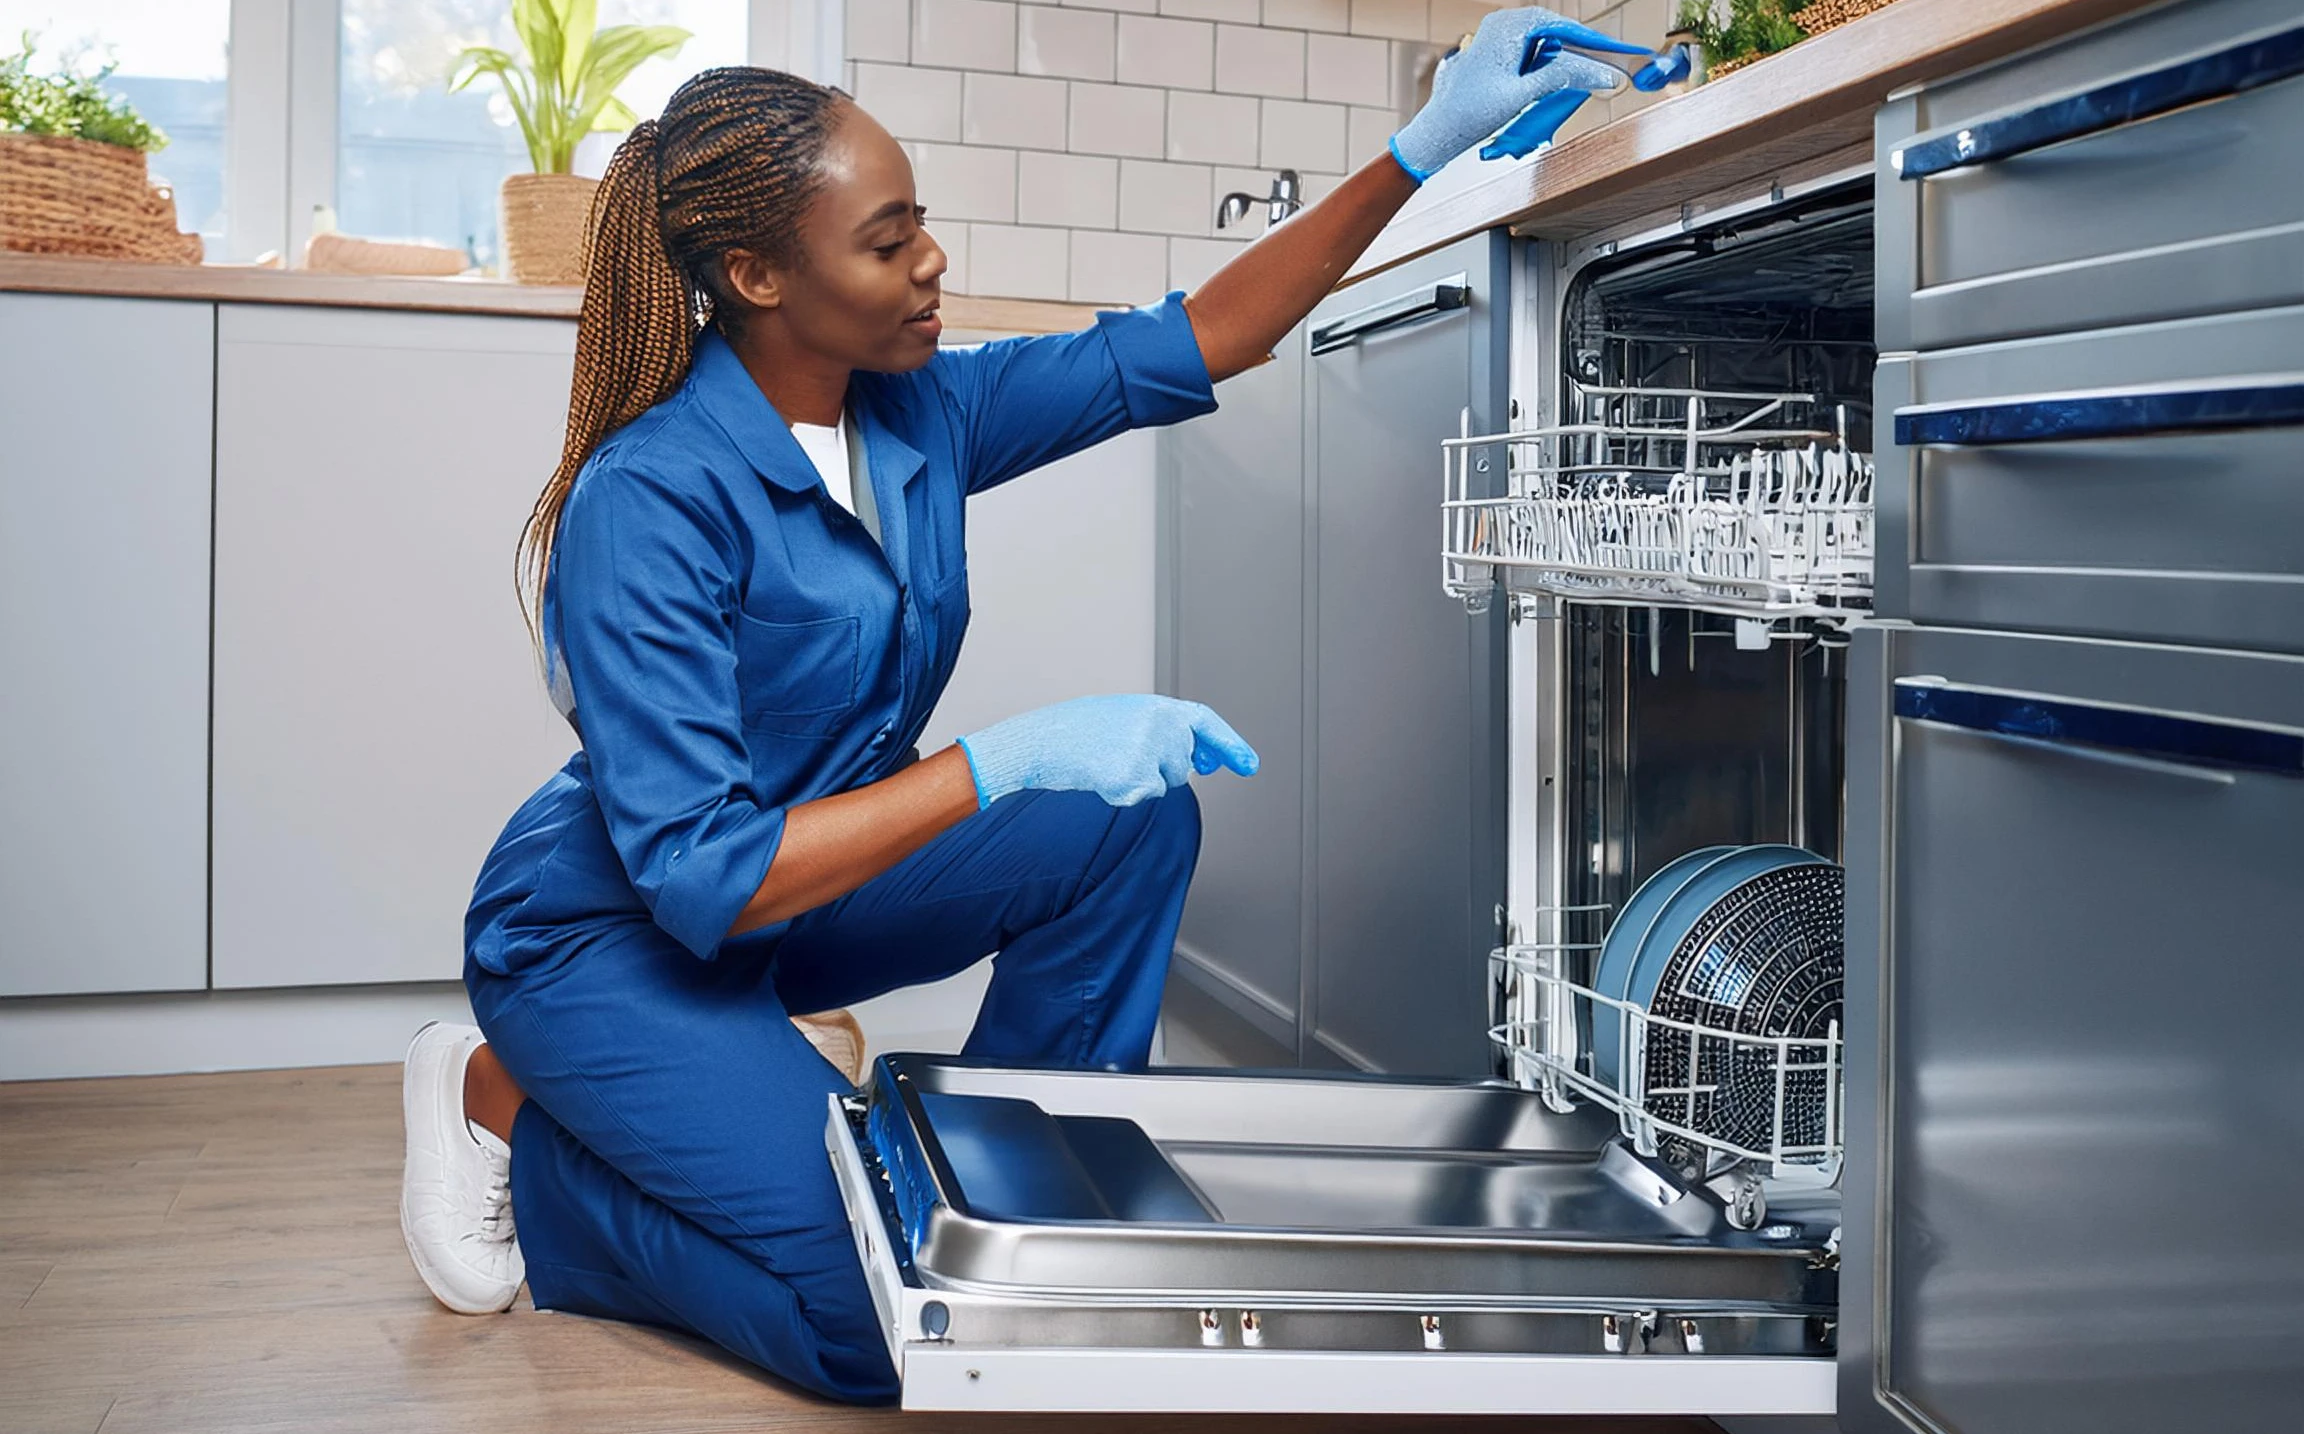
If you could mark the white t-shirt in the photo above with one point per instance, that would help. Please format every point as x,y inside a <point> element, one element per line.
<point>827,447</point>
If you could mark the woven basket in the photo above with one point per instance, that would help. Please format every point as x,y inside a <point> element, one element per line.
<point>74,196</point>
<point>1817,16</point>
<point>545,216</point>
<point>345,254</point>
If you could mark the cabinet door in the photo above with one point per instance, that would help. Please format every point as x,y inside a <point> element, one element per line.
<point>105,408</point>
<point>1407,691</point>
<point>2088,1008</point>
<point>378,711</point>
<point>1232,614</point>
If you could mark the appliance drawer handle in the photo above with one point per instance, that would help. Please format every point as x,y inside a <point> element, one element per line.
<point>2109,413</point>
<point>1449,293</point>
<point>2123,736</point>
<point>2264,60</point>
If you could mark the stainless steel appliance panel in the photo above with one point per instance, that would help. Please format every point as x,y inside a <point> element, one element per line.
<point>1406,694</point>
<point>2144,170</point>
<point>2091,974</point>
<point>2133,482</point>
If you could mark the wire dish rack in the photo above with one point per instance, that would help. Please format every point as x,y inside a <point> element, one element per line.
<point>1773,1100</point>
<point>1751,505</point>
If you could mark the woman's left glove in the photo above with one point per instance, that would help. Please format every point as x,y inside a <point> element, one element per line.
<point>1517,59</point>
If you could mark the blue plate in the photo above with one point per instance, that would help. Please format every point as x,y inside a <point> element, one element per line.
<point>1692,902</point>
<point>1622,948</point>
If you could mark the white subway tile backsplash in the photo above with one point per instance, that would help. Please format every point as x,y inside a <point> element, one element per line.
<point>1008,262</point>
<point>1076,44</point>
<point>1133,7</point>
<point>960,182</point>
<point>1110,268</point>
<point>1165,198</point>
<point>1393,19</point>
<point>1017,110</point>
<point>1367,133</point>
<point>953,238</point>
<point>1250,61</point>
<point>1452,20</point>
<point>1118,119</point>
<point>1333,15</point>
<point>1191,261</point>
<point>1303,136</point>
<point>964,34</point>
<point>1239,12</point>
<point>879,30</point>
<point>1077,191</point>
<point>1213,129</point>
<point>1180,54</point>
<point>1349,69</point>
<point>913,104</point>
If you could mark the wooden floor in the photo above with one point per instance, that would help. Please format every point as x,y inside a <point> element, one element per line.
<point>222,1252</point>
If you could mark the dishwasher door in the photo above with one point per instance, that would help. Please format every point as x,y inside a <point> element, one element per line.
<point>1245,1242</point>
<point>2091,1115</point>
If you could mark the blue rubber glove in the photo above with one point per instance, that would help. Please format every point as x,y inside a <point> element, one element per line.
<point>1515,60</point>
<point>1125,749</point>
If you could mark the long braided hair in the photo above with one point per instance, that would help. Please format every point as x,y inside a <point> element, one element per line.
<point>732,163</point>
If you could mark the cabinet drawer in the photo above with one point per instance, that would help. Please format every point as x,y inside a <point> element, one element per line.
<point>2138,482</point>
<point>2090,985</point>
<point>2148,170</point>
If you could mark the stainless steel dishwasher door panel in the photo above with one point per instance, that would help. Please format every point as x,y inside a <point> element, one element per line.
<point>1253,1190</point>
<point>2094,969</point>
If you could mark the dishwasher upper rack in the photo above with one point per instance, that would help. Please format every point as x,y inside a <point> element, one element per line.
<point>1542,1039</point>
<point>1749,505</point>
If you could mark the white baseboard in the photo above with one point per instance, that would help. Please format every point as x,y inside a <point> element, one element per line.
<point>61,1037</point>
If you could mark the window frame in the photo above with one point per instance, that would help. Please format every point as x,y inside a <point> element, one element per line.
<point>281,107</point>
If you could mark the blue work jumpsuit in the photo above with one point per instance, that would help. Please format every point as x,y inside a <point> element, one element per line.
<point>729,643</point>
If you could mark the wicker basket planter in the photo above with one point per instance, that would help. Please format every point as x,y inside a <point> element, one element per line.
<point>544,221</point>
<point>98,201</point>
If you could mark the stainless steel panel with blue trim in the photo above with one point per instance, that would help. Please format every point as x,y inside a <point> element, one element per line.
<point>2139,482</point>
<point>2144,170</point>
<point>2083,961</point>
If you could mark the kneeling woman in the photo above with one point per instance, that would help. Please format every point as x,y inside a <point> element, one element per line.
<point>750,587</point>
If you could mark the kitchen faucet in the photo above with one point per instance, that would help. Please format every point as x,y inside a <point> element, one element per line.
<point>1286,198</point>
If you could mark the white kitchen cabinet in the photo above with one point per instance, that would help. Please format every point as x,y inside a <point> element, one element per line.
<point>378,713</point>
<point>105,430</point>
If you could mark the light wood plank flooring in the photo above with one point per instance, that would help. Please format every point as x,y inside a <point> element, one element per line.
<point>222,1252</point>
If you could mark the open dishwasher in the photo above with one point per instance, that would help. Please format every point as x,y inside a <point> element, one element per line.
<point>1638,1212</point>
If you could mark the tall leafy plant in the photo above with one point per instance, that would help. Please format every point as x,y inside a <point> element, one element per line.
<point>69,104</point>
<point>1742,29</point>
<point>567,88</point>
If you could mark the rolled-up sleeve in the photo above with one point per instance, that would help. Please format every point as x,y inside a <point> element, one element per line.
<point>1025,402</point>
<point>644,593</point>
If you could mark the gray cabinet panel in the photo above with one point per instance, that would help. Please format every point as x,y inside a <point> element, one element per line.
<point>105,405</point>
<point>2182,536</point>
<point>1406,727</point>
<point>378,713</point>
<point>2057,237</point>
<point>2088,991</point>
<point>1232,615</point>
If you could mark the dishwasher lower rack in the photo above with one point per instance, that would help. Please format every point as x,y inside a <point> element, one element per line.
<point>1749,505</point>
<point>1246,1242</point>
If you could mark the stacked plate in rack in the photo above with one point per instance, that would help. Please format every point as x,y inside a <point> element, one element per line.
<point>1746,942</point>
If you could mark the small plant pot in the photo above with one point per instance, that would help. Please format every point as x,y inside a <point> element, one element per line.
<point>545,216</point>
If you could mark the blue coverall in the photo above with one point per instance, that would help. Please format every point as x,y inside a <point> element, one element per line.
<point>729,643</point>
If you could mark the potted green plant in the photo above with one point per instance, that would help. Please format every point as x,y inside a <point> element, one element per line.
<point>565,91</point>
<point>73,176</point>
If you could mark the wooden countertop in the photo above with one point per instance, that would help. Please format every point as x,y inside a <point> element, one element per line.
<point>40,273</point>
<point>1787,111</point>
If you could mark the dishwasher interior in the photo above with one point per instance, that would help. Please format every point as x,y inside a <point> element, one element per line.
<point>1682,540</point>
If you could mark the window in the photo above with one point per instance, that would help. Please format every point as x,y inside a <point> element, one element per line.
<point>414,161</point>
<point>171,58</point>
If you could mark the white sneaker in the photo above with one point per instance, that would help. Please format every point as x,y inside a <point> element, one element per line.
<point>456,1189</point>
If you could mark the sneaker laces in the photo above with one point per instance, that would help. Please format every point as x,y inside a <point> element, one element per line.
<point>496,1204</point>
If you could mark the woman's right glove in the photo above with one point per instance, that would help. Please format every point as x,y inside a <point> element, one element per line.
<point>1125,749</point>
<point>1516,59</point>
